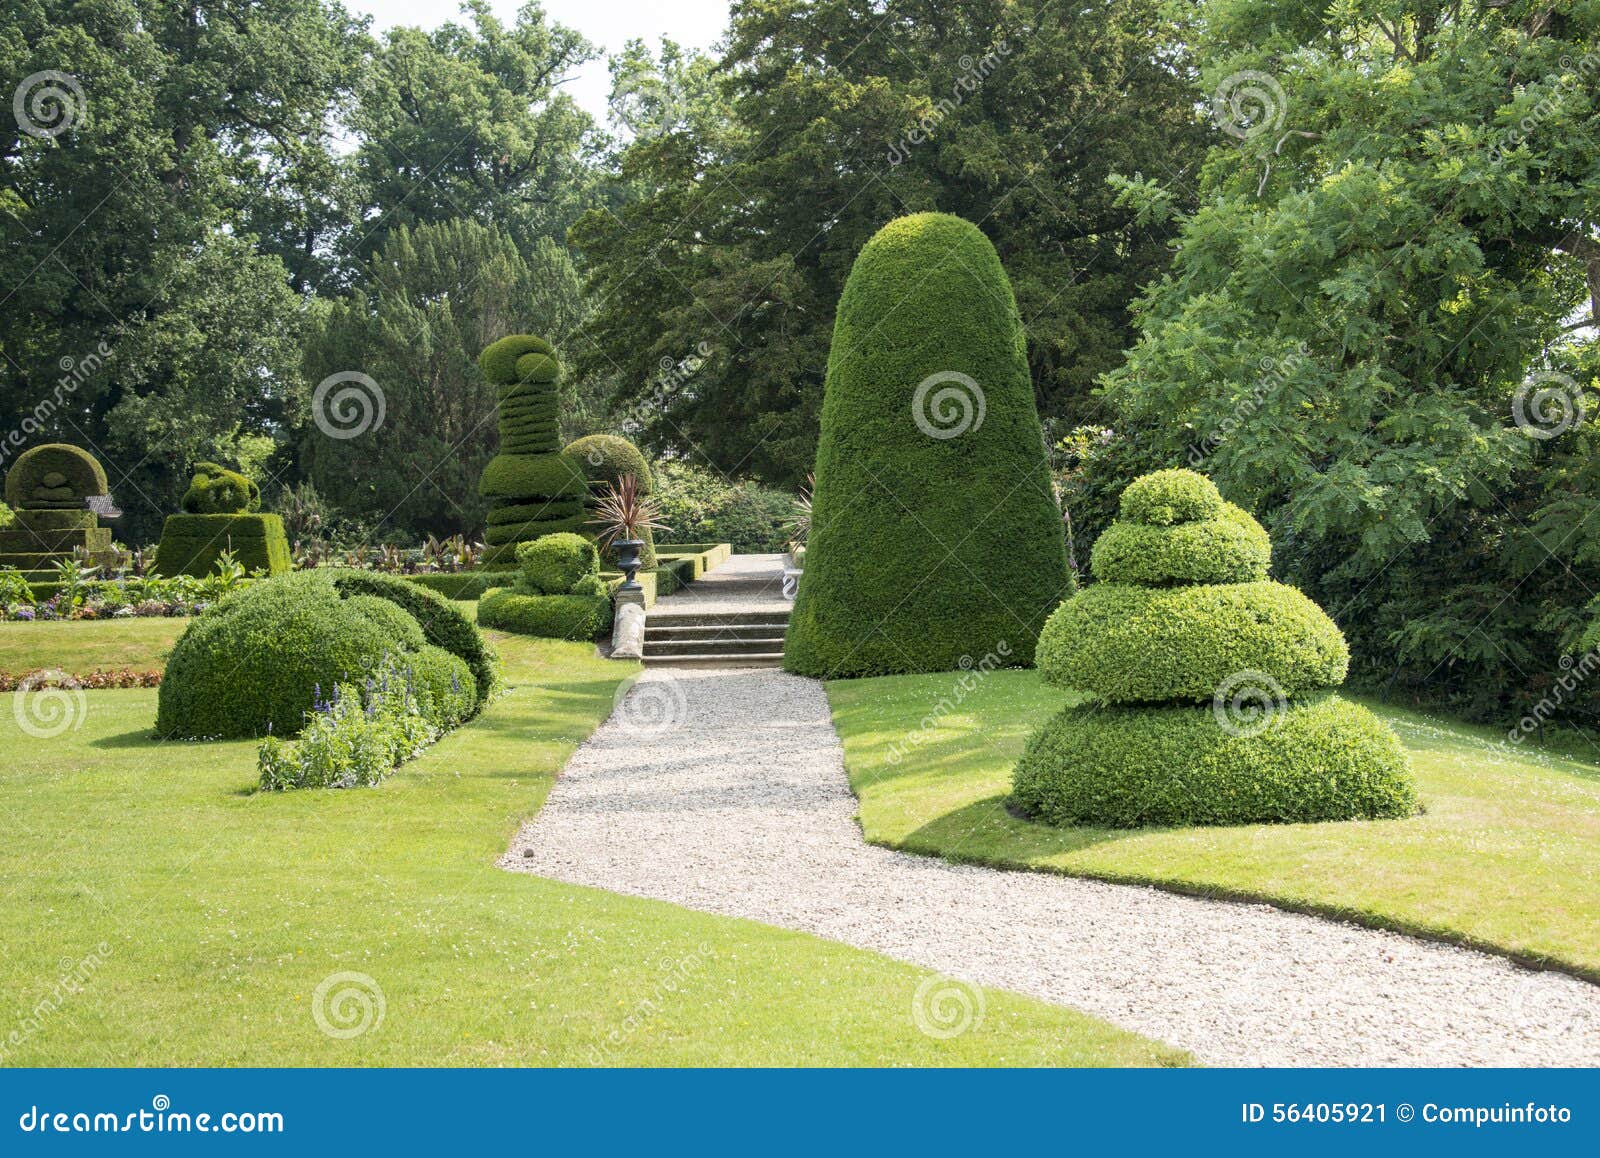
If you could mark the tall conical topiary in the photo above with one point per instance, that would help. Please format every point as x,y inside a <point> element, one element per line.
<point>532,488</point>
<point>1209,684</point>
<point>935,537</point>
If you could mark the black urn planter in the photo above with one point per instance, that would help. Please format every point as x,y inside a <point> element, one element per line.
<point>627,553</point>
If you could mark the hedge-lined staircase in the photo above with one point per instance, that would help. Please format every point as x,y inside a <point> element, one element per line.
<point>733,616</point>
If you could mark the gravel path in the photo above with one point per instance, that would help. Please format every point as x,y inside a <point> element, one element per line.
<point>725,791</point>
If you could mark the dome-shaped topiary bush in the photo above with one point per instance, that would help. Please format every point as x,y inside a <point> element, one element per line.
<point>934,530</point>
<point>532,488</point>
<point>604,460</point>
<point>1208,684</point>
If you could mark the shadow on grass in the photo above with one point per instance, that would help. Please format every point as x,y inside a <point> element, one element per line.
<point>987,832</point>
<point>144,737</point>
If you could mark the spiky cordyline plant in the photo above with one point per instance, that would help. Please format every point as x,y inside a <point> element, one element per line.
<point>623,512</point>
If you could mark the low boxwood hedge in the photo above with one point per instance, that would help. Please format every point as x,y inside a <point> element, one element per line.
<point>1322,758</point>
<point>460,585</point>
<point>574,617</point>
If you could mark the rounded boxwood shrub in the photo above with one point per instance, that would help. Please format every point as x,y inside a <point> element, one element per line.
<point>256,662</point>
<point>1192,619</point>
<point>545,487</point>
<point>1130,644</point>
<point>1121,767</point>
<point>444,682</point>
<point>935,533</point>
<point>443,623</point>
<point>1230,548</point>
<point>391,618</point>
<point>554,564</point>
<point>216,490</point>
<point>54,475</point>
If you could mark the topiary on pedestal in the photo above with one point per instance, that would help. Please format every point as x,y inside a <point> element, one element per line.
<point>533,489</point>
<point>935,534</point>
<point>605,459</point>
<point>56,493</point>
<point>1209,684</point>
<point>220,514</point>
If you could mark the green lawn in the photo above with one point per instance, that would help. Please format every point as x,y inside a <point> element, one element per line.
<point>1507,855</point>
<point>82,645</point>
<point>221,910</point>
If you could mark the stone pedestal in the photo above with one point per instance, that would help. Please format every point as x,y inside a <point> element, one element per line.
<point>627,626</point>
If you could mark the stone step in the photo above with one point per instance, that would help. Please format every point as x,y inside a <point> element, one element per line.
<point>759,659</point>
<point>665,632</point>
<point>764,646</point>
<point>659,617</point>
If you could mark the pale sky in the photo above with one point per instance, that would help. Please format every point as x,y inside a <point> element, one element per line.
<point>607,23</point>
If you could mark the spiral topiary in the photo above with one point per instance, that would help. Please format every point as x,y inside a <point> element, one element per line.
<point>935,534</point>
<point>1208,684</point>
<point>605,459</point>
<point>533,489</point>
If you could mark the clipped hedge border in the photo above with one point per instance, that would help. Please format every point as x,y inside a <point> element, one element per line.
<point>460,585</point>
<point>572,617</point>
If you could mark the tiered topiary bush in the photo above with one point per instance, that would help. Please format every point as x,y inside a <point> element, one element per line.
<point>558,594</point>
<point>935,534</point>
<point>1208,684</point>
<point>221,514</point>
<point>605,459</point>
<point>533,489</point>
<point>257,662</point>
<point>53,490</point>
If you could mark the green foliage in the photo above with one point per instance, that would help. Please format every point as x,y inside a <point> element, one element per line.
<point>555,564</point>
<point>1387,267</point>
<point>934,535</point>
<point>1148,748</point>
<point>215,490</point>
<point>390,618</point>
<point>1006,114</point>
<point>701,506</point>
<point>443,624</point>
<point>192,544</point>
<point>1323,759</point>
<point>460,585</point>
<point>605,458</point>
<point>1230,548</point>
<point>1164,497</point>
<point>255,663</point>
<point>574,617</point>
<point>1130,644</point>
<point>54,476</point>
<point>362,732</point>
<point>431,296</point>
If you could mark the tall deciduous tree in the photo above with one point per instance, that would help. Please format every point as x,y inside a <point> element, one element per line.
<point>840,116</point>
<point>138,315</point>
<point>1379,331</point>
